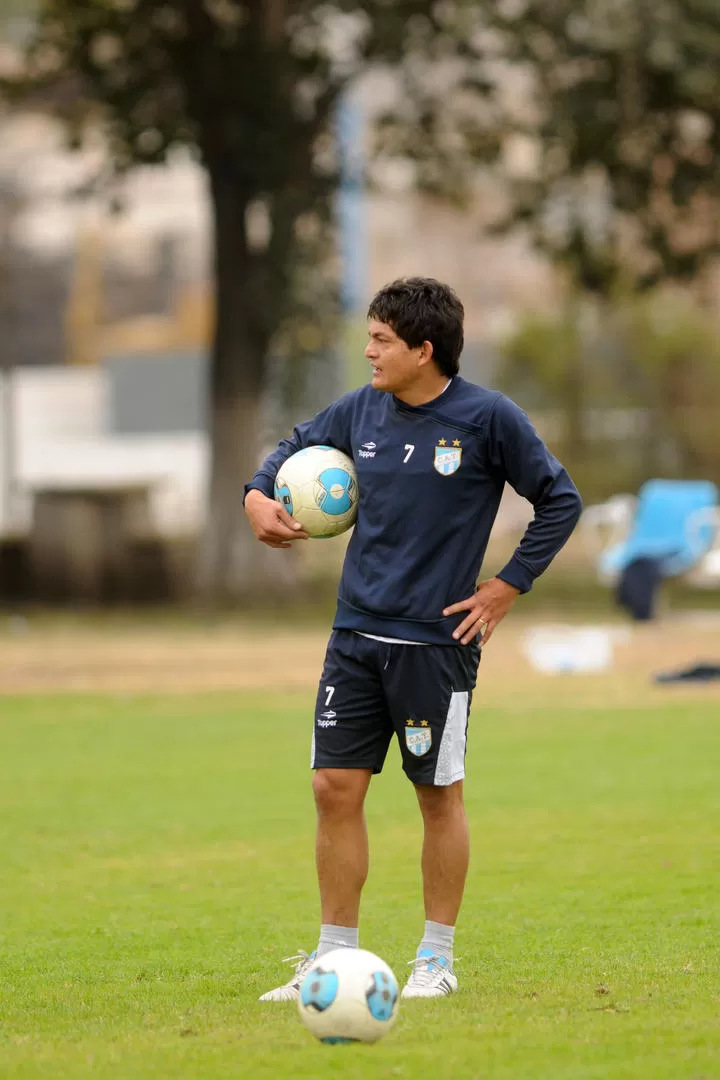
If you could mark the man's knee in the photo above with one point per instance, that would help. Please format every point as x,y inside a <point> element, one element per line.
<point>439,802</point>
<point>340,791</point>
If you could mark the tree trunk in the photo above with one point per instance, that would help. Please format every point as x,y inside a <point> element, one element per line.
<point>233,564</point>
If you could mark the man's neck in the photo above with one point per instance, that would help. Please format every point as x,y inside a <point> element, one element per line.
<point>422,395</point>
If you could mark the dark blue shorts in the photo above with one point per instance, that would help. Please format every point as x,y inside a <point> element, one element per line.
<point>371,689</point>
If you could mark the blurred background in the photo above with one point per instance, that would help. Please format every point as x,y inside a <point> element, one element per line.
<point>198,200</point>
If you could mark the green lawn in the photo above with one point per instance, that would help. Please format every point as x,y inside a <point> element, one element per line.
<point>157,865</point>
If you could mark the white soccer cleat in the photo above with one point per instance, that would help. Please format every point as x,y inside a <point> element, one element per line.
<point>431,976</point>
<point>290,991</point>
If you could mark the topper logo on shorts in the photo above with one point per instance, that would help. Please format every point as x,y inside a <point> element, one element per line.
<point>327,719</point>
<point>418,739</point>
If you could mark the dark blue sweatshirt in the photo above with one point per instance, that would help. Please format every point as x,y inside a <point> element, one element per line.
<point>430,479</point>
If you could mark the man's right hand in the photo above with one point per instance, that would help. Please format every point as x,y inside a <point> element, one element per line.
<point>271,522</point>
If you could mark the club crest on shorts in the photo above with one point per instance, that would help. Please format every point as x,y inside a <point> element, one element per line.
<point>447,458</point>
<point>418,739</point>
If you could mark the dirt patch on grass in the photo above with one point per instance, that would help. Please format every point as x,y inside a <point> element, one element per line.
<point>138,657</point>
<point>155,660</point>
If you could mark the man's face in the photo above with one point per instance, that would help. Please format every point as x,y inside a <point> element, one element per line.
<point>395,366</point>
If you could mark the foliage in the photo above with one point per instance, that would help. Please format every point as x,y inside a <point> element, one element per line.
<point>253,89</point>
<point>613,105</point>
<point>14,9</point>
<point>620,124</point>
<point>676,357</point>
<point>648,373</point>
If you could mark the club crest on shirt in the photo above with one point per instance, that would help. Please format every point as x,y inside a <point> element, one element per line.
<point>447,458</point>
<point>418,739</point>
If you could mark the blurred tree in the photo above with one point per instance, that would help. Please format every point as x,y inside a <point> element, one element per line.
<point>543,363</point>
<point>253,86</point>
<point>675,354</point>
<point>14,9</point>
<point>616,168</point>
<point>611,153</point>
<point>645,402</point>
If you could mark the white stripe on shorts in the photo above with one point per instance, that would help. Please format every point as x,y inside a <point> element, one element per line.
<point>312,750</point>
<point>451,755</point>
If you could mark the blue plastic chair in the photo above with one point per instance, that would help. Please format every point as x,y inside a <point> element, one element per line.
<point>663,527</point>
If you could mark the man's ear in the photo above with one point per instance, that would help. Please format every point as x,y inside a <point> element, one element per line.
<point>426,353</point>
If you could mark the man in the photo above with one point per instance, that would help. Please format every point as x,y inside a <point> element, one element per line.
<point>433,453</point>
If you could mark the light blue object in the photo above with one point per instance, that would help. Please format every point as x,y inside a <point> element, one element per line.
<point>663,527</point>
<point>437,961</point>
<point>283,495</point>
<point>319,989</point>
<point>382,996</point>
<point>331,502</point>
<point>351,127</point>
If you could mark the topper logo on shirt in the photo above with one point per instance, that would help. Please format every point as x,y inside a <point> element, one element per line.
<point>368,450</point>
<point>447,458</point>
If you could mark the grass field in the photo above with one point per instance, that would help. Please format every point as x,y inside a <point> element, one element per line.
<point>157,865</point>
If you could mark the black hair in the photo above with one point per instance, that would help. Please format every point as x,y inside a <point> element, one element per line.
<point>423,309</point>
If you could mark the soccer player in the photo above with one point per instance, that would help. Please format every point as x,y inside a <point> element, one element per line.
<point>433,453</point>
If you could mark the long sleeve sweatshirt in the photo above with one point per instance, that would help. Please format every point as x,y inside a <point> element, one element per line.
<point>430,480</point>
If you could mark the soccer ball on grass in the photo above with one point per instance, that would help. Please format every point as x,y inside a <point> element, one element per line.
<point>349,995</point>
<point>318,487</point>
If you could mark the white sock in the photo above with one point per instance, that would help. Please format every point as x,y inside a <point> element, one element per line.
<point>337,937</point>
<point>439,938</point>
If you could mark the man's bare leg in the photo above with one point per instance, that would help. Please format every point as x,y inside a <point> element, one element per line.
<point>342,866</point>
<point>445,860</point>
<point>342,844</point>
<point>446,851</point>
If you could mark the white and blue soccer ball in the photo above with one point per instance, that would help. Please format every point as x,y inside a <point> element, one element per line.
<point>318,487</point>
<point>349,995</point>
